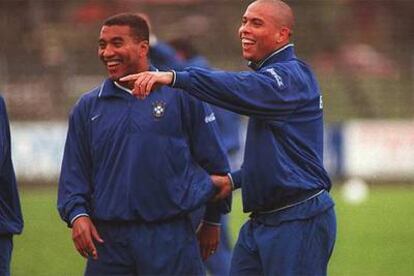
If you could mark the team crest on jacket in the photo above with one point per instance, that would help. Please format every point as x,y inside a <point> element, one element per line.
<point>158,109</point>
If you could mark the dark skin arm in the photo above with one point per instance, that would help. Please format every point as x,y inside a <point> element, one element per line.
<point>208,236</point>
<point>84,234</point>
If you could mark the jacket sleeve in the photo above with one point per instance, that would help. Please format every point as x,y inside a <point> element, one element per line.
<point>75,190</point>
<point>11,220</point>
<point>207,150</point>
<point>272,93</point>
<point>236,179</point>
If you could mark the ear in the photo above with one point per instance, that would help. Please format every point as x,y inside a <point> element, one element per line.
<point>284,34</point>
<point>144,48</point>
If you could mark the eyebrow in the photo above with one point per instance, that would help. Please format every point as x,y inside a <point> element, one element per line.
<point>114,39</point>
<point>256,19</point>
<point>252,18</point>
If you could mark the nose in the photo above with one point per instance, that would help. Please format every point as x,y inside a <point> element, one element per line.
<point>243,29</point>
<point>107,52</point>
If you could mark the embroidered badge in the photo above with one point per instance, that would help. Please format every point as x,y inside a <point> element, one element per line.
<point>158,109</point>
<point>210,118</point>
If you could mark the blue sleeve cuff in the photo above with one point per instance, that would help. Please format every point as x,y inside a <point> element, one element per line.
<point>236,179</point>
<point>78,216</point>
<point>212,213</point>
<point>214,210</point>
<point>231,181</point>
<point>211,223</point>
<point>77,212</point>
<point>181,80</point>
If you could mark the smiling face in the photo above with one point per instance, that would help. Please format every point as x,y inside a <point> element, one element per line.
<point>265,28</point>
<point>121,52</point>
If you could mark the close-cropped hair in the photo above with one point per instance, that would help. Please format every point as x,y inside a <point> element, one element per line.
<point>138,25</point>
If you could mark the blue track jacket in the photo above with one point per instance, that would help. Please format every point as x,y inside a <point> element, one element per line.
<point>283,161</point>
<point>11,221</point>
<point>127,159</point>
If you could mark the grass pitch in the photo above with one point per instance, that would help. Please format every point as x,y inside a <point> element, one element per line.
<point>374,238</point>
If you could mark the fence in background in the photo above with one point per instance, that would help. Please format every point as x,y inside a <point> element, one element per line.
<point>370,149</point>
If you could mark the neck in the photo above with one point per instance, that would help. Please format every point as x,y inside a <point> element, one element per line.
<point>144,66</point>
<point>257,65</point>
<point>278,48</point>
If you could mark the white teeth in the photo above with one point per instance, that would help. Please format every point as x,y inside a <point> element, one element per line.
<point>247,41</point>
<point>112,63</point>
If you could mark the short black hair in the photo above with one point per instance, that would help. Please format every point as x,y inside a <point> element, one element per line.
<point>138,24</point>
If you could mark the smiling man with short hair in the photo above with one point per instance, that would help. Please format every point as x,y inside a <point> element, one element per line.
<point>134,170</point>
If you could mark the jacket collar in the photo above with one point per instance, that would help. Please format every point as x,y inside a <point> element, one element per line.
<point>110,88</point>
<point>282,54</point>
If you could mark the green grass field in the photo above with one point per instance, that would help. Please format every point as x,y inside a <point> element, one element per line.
<point>374,238</point>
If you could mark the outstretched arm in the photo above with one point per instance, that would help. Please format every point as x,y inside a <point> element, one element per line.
<point>273,93</point>
<point>146,82</point>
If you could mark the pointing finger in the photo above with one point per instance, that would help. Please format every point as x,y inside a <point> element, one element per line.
<point>131,77</point>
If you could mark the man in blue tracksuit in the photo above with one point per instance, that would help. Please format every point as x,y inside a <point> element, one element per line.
<point>133,170</point>
<point>178,54</point>
<point>284,185</point>
<point>11,221</point>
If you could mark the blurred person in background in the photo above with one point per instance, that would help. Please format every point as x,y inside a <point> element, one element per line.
<point>11,220</point>
<point>178,54</point>
<point>133,170</point>
<point>228,122</point>
<point>292,226</point>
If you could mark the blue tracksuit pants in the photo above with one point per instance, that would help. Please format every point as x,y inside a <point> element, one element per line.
<point>297,247</point>
<point>6,246</point>
<point>167,248</point>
